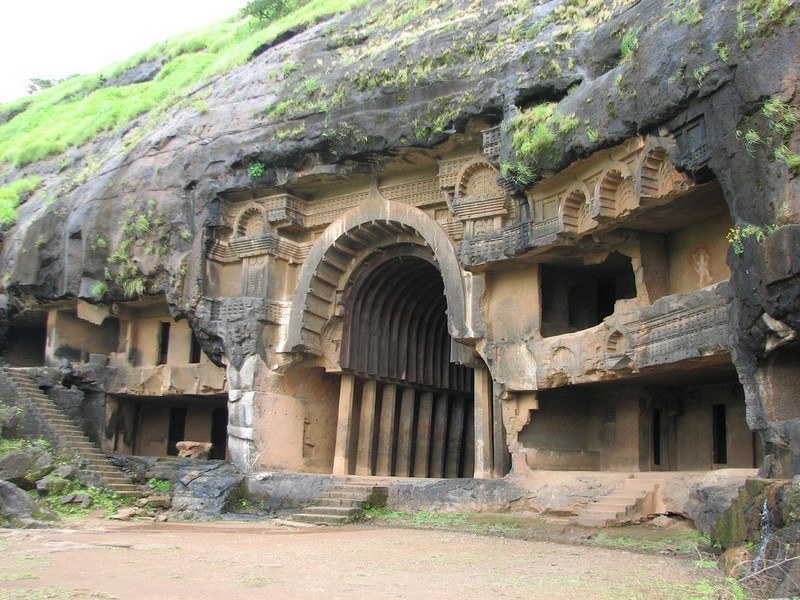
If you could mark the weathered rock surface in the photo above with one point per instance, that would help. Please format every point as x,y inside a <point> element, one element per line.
<point>17,509</point>
<point>51,484</point>
<point>456,495</point>
<point>24,467</point>
<point>761,536</point>
<point>702,497</point>
<point>284,491</point>
<point>203,489</point>
<point>77,498</point>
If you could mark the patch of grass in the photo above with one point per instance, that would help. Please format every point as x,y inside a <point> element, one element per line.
<point>101,498</point>
<point>17,576</point>
<point>382,512</point>
<point>291,133</point>
<point>78,110</point>
<point>533,134</point>
<point>7,446</point>
<point>761,17</point>
<point>686,11</point>
<point>162,485</point>
<point>99,290</point>
<point>12,195</point>
<point>722,50</point>
<point>52,593</point>
<point>629,44</point>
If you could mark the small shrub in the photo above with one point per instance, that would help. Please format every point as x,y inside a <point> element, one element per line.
<point>99,290</point>
<point>722,50</point>
<point>629,44</point>
<point>686,11</point>
<point>256,170</point>
<point>533,134</point>
<point>737,235</point>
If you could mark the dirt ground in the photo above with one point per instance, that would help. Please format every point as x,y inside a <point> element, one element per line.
<point>108,559</point>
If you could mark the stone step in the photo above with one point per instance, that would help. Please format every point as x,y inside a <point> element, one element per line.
<point>123,487</point>
<point>100,463</point>
<point>608,515</point>
<point>622,498</point>
<point>320,519</point>
<point>346,495</point>
<point>342,511</point>
<point>352,487</point>
<point>109,473</point>
<point>610,506</point>
<point>588,521</point>
<point>70,437</point>
<point>324,500</point>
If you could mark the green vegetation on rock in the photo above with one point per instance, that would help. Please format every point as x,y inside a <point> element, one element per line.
<point>79,109</point>
<point>10,197</point>
<point>534,133</point>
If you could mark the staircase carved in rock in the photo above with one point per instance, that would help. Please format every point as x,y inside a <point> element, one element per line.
<point>637,496</point>
<point>343,502</point>
<point>67,436</point>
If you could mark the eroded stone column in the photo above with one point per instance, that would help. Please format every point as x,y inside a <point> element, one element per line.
<point>386,430</point>
<point>402,466</point>
<point>468,469</point>
<point>366,431</point>
<point>422,455</point>
<point>439,442</point>
<point>454,437</point>
<point>344,426</point>
<point>483,423</point>
<point>500,451</point>
<point>241,402</point>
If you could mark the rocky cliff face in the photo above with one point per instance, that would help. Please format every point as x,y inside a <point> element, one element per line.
<point>378,86</point>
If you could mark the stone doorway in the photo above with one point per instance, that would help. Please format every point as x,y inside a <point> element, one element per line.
<point>406,407</point>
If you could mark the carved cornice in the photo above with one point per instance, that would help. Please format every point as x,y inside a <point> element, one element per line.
<point>608,186</point>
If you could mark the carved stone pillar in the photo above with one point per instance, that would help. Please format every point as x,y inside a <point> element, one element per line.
<point>387,430</point>
<point>439,441</point>
<point>366,431</point>
<point>422,456</point>
<point>344,426</point>
<point>404,442</point>
<point>455,435</point>
<point>484,465</point>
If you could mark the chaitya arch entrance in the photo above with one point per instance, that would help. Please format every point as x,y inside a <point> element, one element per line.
<point>405,408</point>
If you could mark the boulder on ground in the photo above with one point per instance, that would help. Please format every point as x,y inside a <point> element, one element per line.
<point>51,484</point>
<point>26,466</point>
<point>203,491</point>
<point>82,499</point>
<point>17,509</point>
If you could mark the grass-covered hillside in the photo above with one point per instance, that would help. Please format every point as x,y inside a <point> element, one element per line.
<point>79,109</point>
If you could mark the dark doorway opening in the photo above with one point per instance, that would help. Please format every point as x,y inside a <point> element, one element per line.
<point>720,434</point>
<point>177,428</point>
<point>163,344</point>
<point>219,433</point>
<point>578,297</point>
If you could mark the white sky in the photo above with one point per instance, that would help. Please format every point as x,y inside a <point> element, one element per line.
<point>56,38</point>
